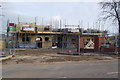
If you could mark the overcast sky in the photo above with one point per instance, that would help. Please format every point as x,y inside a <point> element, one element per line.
<point>70,12</point>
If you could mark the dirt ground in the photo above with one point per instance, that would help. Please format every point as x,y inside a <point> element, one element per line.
<point>50,56</point>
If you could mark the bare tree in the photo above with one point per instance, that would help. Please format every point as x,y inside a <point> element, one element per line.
<point>111,11</point>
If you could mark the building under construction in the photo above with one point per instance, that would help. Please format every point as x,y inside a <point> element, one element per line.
<point>30,35</point>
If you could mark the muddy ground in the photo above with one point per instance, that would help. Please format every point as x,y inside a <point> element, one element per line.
<point>50,56</point>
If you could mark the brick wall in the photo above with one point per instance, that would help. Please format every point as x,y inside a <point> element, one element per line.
<point>97,44</point>
<point>81,43</point>
<point>109,49</point>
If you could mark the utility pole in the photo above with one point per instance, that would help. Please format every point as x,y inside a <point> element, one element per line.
<point>79,43</point>
<point>60,25</point>
<point>82,26</point>
<point>7,33</point>
<point>18,31</point>
<point>42,21</point>
<point>35,29</point>
<point>88,28</point>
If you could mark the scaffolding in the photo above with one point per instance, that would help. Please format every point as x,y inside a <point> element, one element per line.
<point>66,39</point>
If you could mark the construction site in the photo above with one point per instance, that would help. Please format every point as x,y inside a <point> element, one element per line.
<point>27,43</point>
<point>54,48</point>
<point>69,41</point>
<point>73,40</point>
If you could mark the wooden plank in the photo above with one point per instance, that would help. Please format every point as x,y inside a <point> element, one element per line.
<point>5,58</point>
